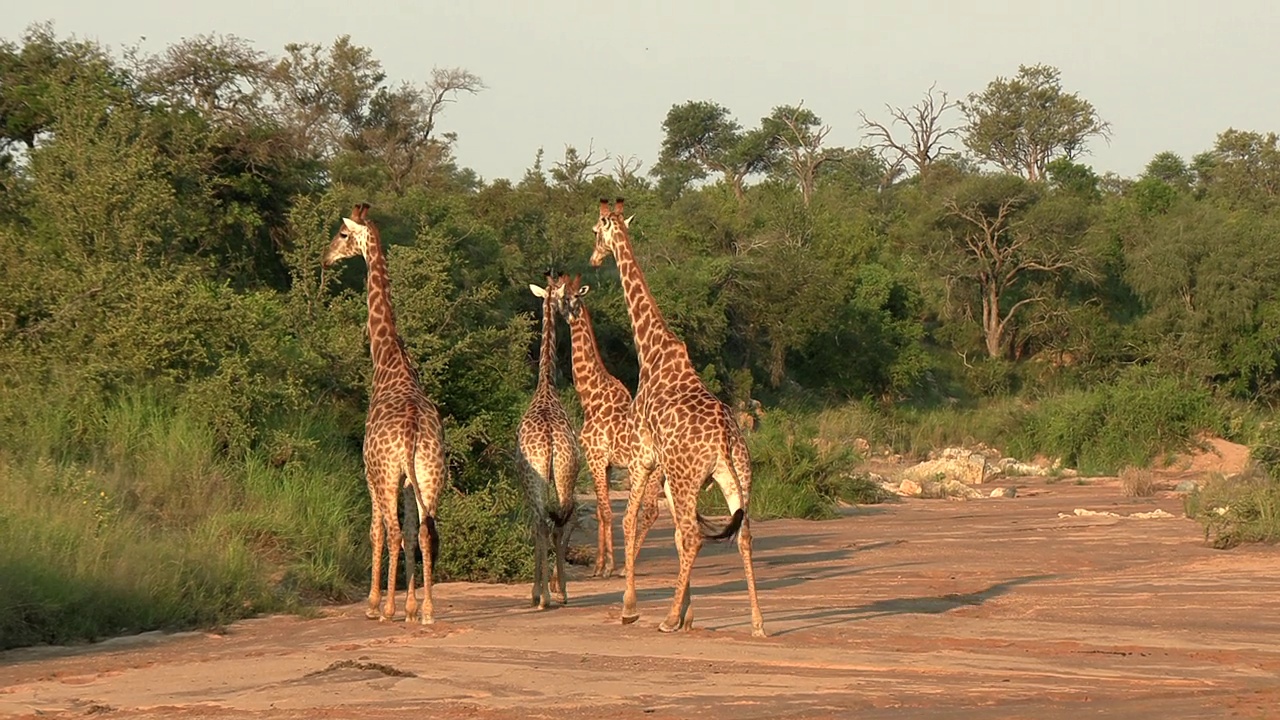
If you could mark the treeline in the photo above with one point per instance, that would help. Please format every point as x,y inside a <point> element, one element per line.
<point>162,218</point>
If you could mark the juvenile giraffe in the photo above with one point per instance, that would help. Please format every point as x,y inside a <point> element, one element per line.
<point>402,438</point>
<point>682,428</point>
<point>606,437</point>
<point>548,455</point>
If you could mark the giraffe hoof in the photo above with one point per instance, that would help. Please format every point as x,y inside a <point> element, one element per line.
<point>428,620</point>
<point>665,627</point>
<point>628,619</point>
<point>759,632</point>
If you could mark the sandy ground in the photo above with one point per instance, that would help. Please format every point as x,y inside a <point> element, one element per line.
<point>992,608</point>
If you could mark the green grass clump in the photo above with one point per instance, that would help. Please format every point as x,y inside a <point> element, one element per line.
<point>1130,422</point>
<point>1244,508</point>
<point>131,516</point>
<point>796,475</point>
<point>1237,510</point>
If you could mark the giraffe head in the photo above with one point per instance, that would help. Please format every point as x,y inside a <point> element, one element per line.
<point>551,293</point>
<point>352,238</point>
<point>568,292</point>
<point>611,227</point>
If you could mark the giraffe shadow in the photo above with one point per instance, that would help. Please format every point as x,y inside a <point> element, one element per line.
<point>735,586</point>
<point>927,605</point>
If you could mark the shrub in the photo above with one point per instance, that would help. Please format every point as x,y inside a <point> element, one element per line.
<point>795,477</point>
<point>1129,422</point>
<point>1137,482</point>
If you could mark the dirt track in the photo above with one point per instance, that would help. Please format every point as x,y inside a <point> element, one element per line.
<point>993,608</point>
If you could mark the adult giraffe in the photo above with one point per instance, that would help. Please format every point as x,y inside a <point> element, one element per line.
<point>606,438</point>
<point>402,436</point>
<point>680,426</point>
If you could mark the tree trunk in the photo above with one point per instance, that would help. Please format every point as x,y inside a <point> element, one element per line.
<point>992,328</point>
<point>777,362</point>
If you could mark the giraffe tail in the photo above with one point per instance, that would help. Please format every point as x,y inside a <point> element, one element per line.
<point>711,531</point>
<point>433,537</point>
<point>564,513</point>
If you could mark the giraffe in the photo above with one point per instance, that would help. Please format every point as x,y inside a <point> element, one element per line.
<point>548,454</point>
<point>606,436</point>
<point>402,433</point>
<point>682,428</point>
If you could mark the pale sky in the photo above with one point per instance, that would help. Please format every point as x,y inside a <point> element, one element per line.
<point>1166,75</point>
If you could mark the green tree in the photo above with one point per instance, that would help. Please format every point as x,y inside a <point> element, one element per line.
<point>701,137</point>
<point>798,134</point>
<point>1024,122</point>
<point>1243,169</point>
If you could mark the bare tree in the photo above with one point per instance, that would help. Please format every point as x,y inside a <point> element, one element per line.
<point>991,238</point>
<point>443,88</point>
<point>924,125</point>
<point>799,133</point>
<point>626,170</point>
<point>576,169</point>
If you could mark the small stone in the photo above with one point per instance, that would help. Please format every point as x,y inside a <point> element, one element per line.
<point>1004,492</point>
<point>910,488</point>
<point>861,446</point>
<point>1187,486</point>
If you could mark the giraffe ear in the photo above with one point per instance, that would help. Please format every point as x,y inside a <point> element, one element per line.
<point>627,221</point>
<point>352,225</point>
<point>584,290</point>
<point>540,292</point>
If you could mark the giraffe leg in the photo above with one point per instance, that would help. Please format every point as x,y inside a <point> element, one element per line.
<point>604,517</point>
<point>394,542</point>
<point>377,539</point>
<point>431,477</point>
<point>542,569</point>
<point>649,511</point>
<point>744,549</point>
<point>684,508</point>
<point>409,526</point>
<point>640,473</point>
<point>736,487</point>
<point>426,530</point>
<point>560,542</point>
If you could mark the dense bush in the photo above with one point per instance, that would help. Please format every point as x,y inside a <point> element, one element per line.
<point>1132,421</point>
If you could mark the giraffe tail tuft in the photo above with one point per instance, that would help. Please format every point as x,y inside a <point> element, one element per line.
<point>711,531</point>
<point>562,515</point>
<point>433,538</point>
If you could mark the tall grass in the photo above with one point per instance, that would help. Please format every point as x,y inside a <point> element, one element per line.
<point>1244,508</point>
<point>129,516</point>
<point>1131,421</point>
<point>796,475</point>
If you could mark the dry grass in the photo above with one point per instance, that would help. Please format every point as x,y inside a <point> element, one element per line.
<point>1137,482</point>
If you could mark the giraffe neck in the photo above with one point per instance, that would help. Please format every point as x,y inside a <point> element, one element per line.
<point>390,361</point>
<point>654,340</point>
<point>547,352</point>
<point>588,369</point>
